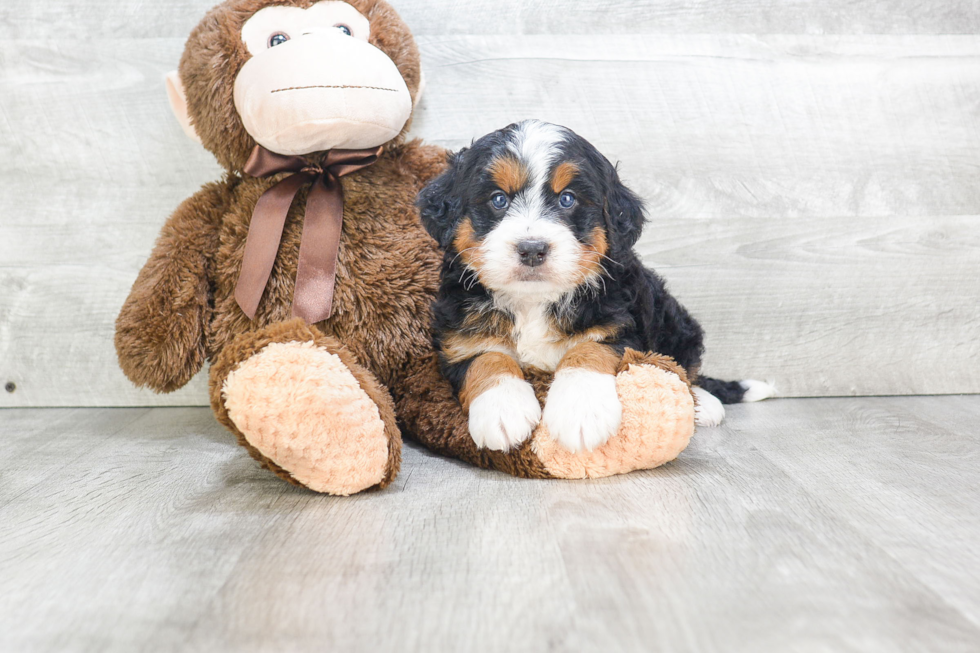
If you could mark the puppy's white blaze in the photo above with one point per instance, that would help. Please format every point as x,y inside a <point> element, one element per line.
<point>536,143</point>
<point>757,390</point>
<point>583,409</point>
<point>505,415</point>
<point>710,410</point>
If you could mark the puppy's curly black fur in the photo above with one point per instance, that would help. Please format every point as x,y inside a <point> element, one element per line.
<point>626,302</point>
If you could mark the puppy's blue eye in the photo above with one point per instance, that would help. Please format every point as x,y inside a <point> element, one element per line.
<point>499,201</point>
<point>344,29</point>
<point>566,200</point>
<point>278,39</point>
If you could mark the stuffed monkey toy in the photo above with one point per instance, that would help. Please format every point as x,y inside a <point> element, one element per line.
<point>304,275</point>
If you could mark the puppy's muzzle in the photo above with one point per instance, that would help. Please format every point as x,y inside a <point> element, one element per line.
<point>533,252</point>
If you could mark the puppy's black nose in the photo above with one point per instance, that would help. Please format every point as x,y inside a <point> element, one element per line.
<point>533,252</point>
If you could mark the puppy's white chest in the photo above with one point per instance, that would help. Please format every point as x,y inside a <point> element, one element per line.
<point>536,342</point>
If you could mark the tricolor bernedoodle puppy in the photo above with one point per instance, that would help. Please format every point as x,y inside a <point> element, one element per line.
<point>538,232</point>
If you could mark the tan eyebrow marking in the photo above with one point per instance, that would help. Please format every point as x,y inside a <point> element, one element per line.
<point>563,176</point>
<point>509,173</point>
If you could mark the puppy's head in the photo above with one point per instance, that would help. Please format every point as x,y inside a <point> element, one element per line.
<point>533,210</point>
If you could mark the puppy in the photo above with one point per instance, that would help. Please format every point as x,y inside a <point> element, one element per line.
<point>540,272</point>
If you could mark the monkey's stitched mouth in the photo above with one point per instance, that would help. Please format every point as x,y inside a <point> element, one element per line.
<point>303,88</point>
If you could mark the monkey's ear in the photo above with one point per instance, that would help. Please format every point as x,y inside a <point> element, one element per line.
<point>440,205</point>
<point>623,212</point>
<point>178,103</point>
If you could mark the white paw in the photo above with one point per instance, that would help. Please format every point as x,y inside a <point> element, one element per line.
<point>757,390</point>
<point>505,415</point>
<point>710,411</point>
<point>583,409</point>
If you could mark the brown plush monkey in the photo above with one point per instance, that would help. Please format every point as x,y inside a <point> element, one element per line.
<point>305,277</point>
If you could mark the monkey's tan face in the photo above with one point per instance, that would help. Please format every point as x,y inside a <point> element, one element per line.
<point>315,83</point>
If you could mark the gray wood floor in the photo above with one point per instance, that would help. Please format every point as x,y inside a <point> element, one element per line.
<point>799,525</point>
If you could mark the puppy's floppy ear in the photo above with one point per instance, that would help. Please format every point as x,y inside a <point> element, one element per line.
<point>440,204</point>
<point>623,212</point>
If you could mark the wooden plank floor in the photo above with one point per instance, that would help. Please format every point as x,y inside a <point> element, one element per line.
<point>799,525</point>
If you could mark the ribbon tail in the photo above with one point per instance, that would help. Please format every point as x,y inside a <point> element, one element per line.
<point>319,246</point>
<point>262,243</point>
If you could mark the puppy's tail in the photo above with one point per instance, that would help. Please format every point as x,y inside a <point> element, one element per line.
<point>735,392</point>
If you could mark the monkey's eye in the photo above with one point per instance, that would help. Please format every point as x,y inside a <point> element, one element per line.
<point>566,200</point>
<point>344,29</point>
<point>278,39</point>
<point>499,201</point>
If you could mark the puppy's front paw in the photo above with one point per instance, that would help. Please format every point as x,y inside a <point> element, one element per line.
<point>505,415</point>
<point>583,410</point>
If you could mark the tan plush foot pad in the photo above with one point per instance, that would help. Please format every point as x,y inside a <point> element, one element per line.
<point>301,407</point>
<point>658,422</point>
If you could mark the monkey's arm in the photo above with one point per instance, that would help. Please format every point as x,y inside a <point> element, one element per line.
<point>160,329</point>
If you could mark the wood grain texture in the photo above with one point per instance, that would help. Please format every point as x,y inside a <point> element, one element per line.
<point>831,306</point>
<point>900,479</point>
<point>725,126</point>
<point>798,525</point>
<point>813,198</point>
<point>99,18</point>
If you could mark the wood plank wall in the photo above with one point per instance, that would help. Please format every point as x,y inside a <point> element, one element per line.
<point>812,170</point>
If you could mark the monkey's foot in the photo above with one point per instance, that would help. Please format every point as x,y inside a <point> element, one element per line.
<point>303,409</point>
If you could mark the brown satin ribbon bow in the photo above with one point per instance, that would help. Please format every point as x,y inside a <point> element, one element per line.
<point>322,225</point>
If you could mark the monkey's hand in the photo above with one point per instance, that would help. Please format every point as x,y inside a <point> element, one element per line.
<point>160,329</point>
